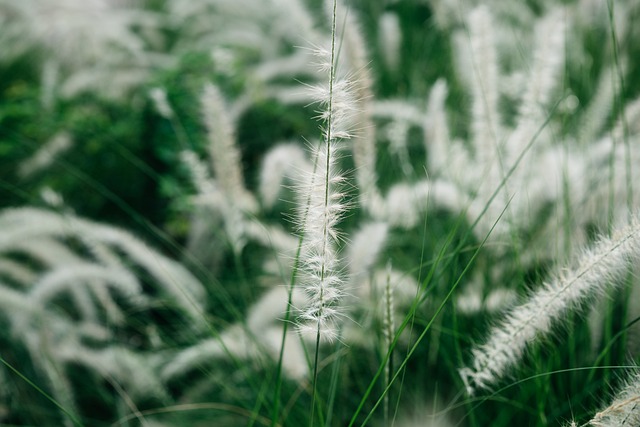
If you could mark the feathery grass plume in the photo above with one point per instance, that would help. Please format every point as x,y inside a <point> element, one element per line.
<point>54,255</point>
<point>596,114</point>
<point>353,51</point>
<point>158,96</point>
<point>616,159</point>
<point>284,161</point>
<point>226,164</point>
<point>369,299</point>
<point>73,31</point>
<point>209,209</point>
<point>52,198</point>
<point>321,203</point>
<point>252,38</point>
<point>201,179</point>
<point>132,371</point>
<point>16,273</point>
<point>321,279</point>
<point>546,65</point>
<point>88,261</point>
<point>599,268</point>
<point>397,109</point>
<point>510,171</point>
<point>388,332</point>
<point>23,224</point>
<point>365,248</point>
<point>489,177</point>
<point>273,237</point>
<point>437,139</point>
<point>46,155</point>
<point>625,408</point>
<point>485,126</point>
<point>499,156</point>
<point>89,292</point>
<point>223,150</point>
<point>390,40</point>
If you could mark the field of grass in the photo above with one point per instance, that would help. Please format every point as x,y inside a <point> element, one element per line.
<point>319,213</point>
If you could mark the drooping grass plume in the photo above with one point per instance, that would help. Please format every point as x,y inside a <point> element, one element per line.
<point>170,278</point>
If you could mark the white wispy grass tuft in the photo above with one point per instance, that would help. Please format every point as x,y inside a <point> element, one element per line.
<point>354,56</point>
<point>205,186</point>
<point>65,278</point>
<point>436,129</point>
<point>485,117</point>
<point>365,248</point>
<point>223,150</point>
<point>46,155</point>
<point>322,206</point>
<point>322,280</point>
<point>87,46</point>
<point>546,67</point>
<point>109,245</point>
<point>285,161</point>
<point>625,408</point>
<point>226,164</point>
<point>158,96</point>
<point>598,269</point>
<point>390,38</point>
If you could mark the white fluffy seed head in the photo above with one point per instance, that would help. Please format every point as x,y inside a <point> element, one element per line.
<point>596,271</point>
<point>46,156</point>
<point>625,408</point>
<point>161,103</point>
<point>285,161</point>
<point>321,207</point>
<point>484,58</point>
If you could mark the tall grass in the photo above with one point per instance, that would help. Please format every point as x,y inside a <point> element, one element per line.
<point>322,213</point>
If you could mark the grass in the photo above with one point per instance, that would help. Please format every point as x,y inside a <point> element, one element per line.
<point>454,237</point>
